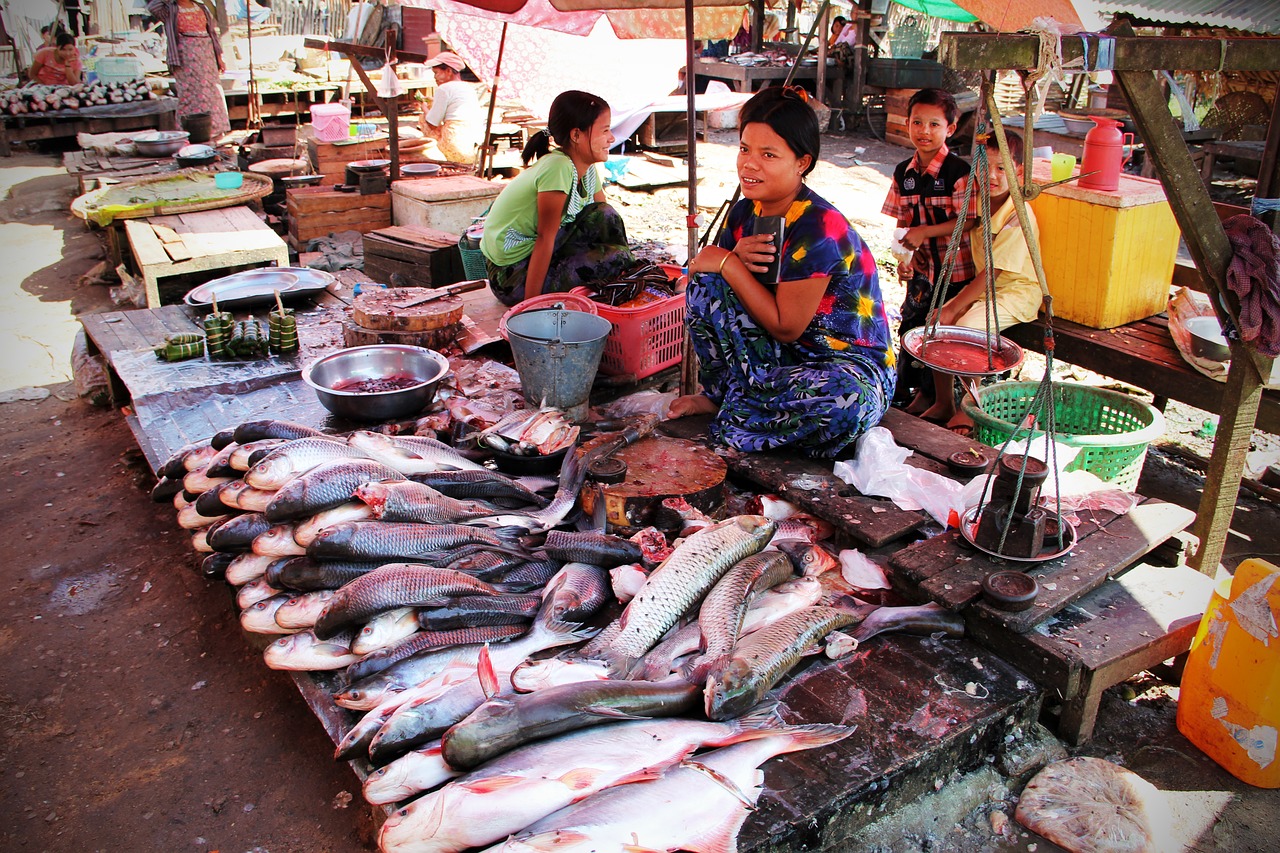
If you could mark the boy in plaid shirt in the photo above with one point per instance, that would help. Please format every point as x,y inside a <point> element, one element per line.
<point>926,197</point>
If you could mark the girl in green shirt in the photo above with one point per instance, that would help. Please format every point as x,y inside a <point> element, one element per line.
<point>550,229</point>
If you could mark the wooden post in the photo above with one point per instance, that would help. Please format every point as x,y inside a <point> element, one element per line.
<point>1269,173</point>
<point>757,27</point>
<point>824,32</point>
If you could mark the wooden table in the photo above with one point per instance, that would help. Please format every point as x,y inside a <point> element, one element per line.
<point>1142,354</point>
<point>157,114</point>
<point>90,168</point>
<point>1241,149</point>
<point>209,240</point>
<point>749,78</point>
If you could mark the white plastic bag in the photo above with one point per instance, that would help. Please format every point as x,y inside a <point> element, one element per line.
<point>389,86</point>
<point>879,470</point>
<point>640,403</point>
<point>901,253</point>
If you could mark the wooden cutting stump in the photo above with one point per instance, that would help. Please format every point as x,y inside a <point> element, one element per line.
<point>436,339</point>
<point>658,467</point>
<point>377,310</point>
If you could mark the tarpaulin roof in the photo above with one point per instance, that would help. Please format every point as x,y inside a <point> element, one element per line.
<point>629,18</point>
<point>1001,15</point>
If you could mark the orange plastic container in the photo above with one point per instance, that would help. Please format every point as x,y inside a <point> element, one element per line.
<point>1229,702</point>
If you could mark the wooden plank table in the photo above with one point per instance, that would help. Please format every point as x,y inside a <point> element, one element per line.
<point>157,114</point>
<point>90,168</point>
<point>1142,354</point>
<point>206,241</point>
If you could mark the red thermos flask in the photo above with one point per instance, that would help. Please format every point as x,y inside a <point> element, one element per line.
<point>1104,154</point>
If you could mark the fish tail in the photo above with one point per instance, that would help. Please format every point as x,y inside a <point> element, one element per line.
<point>813,736</point>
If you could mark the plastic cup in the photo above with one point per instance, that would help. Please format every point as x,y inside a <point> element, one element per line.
<point>1062,166</point>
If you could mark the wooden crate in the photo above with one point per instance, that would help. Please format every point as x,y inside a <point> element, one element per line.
<point>895,107</point>
<point>421,257</point>
<point>331,159</point>
<point>317,212</point>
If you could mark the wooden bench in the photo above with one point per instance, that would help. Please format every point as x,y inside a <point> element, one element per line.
<point>1143,354</point>
<point>198,242</point>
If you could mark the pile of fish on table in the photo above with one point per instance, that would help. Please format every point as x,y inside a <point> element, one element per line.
<point>458,608</point>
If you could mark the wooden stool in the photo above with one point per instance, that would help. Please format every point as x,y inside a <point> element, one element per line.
<point>1124,627</point>
<point>196,242</point>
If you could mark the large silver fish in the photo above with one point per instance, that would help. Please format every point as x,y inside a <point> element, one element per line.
<point>389,540</point>
<point>761,660</point>
<point>682,580</point>
<point>409,775</point>
<point>385,630</point>
<point>297,457</point>
<point>508,721</point>
<point>723,610</point>
<point>411,456</point>
<point>260,618</point>
<point>925,619</point>
<point>307,574</point>
<point>306,529</point>
<point>326,486</point>
<point>527,784</point>
<point>301,611</point>
<point>700,804</point>
<point>410,501</point>
<point>238,533</point>
<point>391,586</point>
<point>277,541</point>
<point>302,652</point>
<point>425,641</point>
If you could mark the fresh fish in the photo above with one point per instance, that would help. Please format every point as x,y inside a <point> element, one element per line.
<point>222,438</point>
<point>200,541</point>
<point>473,611</point>
<point>306,530</point>
<point>535,675</point>
<point>189,518</point>
<point>248,567</point>
<point>626,581</point>
<point>802,527</point>
<point>534,781</point>
<point>409,775</point>
<point>421,456</point>
<point>597,647</point>
<point>487,565</point>
<point>410,501</point>
<point>811,560</point>
<point>214,566</point>
<point>240,495</point>
<point>762,660</point>
<point>483,484</point>
<point>577,592</point>
<point>506,722</point>
<point>840,645</point>
<point>423,641</point>
<point>573,474</point>
<point>325,487</point>
<point>277,541</point>
<point>386,629</point>
<point>599,549</point>
<point>529,576</point>
<point>220,465</point>
<point>773,507</point>
<point>244,452</point>
<point>210,502</point>
<point>302,652</point>
<point>723,610</point>
<point>165,488</point>
<point>660,661</point>
<point>297,457</point>
<point>254,591</point>
<point>198,482</point>
<point>261,617</point>
<point>653,545</point>
<point>923,619</point>
<point>699,805</point>
<point>175,467</point>
<point>307,574</point>
<point>258,430</point>
<point>391,586</point>
<point>419,668</point>
<point>301,611</point>
<point>238,533</point>
<point>417,722</point>
<point>682,580</point>
<point>389,540</point>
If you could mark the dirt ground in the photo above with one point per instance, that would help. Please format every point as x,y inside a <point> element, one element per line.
<point>135,715</point>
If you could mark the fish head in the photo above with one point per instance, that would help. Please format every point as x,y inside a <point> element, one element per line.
<point>757,526</point>
<point>271,472</point>
<point>730,689</point>
<point>811,560</point>
<point>374,494</point>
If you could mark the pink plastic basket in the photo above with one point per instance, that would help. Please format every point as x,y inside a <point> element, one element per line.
<point>644,340</point>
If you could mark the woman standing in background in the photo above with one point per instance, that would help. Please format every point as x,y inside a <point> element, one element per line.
<point>195,59</point>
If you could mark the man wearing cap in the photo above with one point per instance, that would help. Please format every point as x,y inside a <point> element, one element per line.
<point>454,121</point>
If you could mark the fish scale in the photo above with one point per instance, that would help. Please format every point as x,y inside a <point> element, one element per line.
<point>683,578</point>
<point>325,487</point>
<point>724,608</point>
<point>297,457</point>
<point>479,484</point>
<point>376,662</point>
<point>761,660</point>
<point>410,501</point>
<point>375,540</point>
<point>391,586</point>
<point>307,574</point>
<point>600,549</point>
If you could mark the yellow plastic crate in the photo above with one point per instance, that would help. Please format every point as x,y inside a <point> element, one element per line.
<point>1108,256</point>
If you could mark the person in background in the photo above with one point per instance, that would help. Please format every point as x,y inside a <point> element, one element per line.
<point>454,122</point>
<point>550,229</point>
<point>807,363</point>
<point>194,54</point>
<point>57,65</point>
<point>1017,290</point>
<point>838,23</point>
<point>926,197</point>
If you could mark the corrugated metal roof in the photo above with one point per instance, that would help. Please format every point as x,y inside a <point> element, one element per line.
<point>1259,16</point>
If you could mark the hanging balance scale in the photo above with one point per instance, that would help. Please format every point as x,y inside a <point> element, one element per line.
<point>1013,520</point>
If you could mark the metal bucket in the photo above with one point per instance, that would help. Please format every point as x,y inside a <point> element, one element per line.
<point>557,353</point>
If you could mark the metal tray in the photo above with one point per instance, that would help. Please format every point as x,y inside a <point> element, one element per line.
<point>368,165</point>
<point>961,351</point>
<point>254,287</point>
<point>969,526</point>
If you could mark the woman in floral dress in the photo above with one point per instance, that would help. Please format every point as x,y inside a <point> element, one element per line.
<point>194,53</point>
<point>807,363</point>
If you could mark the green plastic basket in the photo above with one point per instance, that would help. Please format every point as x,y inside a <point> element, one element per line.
<point>472,262</point>
<point>908,38</point>
<point>1111,429</point>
